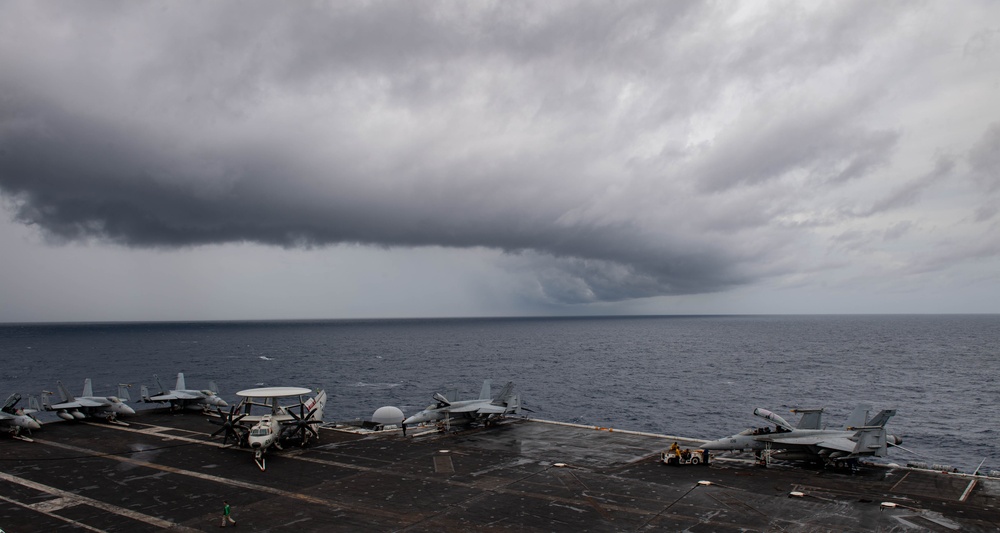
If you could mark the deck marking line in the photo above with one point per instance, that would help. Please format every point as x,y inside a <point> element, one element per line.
<point>63,518</point>
<point>329,504</point>
<point>121,511</point>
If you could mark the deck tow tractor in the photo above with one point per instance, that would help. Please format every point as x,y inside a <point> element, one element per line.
<point>675,456</point>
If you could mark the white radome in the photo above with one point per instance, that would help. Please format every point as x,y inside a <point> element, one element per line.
<point>388,415</point>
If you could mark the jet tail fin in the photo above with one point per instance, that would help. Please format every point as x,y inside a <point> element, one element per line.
<point>213,387</point>
<point>33,404</point>
<point>505,394</point>
<point>871,441</point>
<point>881,418</point>
<point>144,392</point>
<point>88,388</point>
<point>180,381</point>
<point>484,393</point>
<point>63,393</point>
<point>123,394</point>
<point>811,418</point>
<point>859,416</point>
<point>515,404</point>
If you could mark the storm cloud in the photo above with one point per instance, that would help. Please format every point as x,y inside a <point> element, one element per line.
<point>613,151</point>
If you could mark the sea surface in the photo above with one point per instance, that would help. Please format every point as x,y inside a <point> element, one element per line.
<point>695,376</point>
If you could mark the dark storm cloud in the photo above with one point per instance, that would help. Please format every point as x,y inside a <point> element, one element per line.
<point>616,152</point>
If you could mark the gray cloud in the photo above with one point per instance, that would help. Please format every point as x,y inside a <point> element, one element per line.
<point>616,152</point>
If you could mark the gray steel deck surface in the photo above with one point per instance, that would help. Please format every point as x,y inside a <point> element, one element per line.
<point>164,472</point>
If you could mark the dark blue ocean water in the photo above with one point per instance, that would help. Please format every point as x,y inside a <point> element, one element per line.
<point>691,376</point>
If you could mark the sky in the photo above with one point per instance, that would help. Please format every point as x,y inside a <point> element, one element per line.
<point>258,160</point>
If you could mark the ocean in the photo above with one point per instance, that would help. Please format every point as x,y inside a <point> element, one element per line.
<point>695,376</point>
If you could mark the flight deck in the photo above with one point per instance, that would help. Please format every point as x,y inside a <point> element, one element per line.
<point>164,472</point>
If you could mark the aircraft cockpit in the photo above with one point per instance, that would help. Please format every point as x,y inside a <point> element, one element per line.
<point>260,431</point>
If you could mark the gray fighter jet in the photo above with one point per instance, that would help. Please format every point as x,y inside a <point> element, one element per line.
<point>80,407</point>
<point>485,408</point>
<point>860,437</point>
<point>181,397</point>
<point>15,420</point>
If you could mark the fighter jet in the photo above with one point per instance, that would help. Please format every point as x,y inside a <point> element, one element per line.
<point>860,437</point>
<point>86,405</point>
<point>15,420</point>
<point>181,397</point>
<point>485,408</point>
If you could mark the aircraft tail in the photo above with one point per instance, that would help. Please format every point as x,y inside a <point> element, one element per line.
<point>881,418</point>
<point>871,441</point>
<point>811,418</point>
<point>46,401</point>
<point>213,387</point>
<point>88,388</point>
<point>33,404</point>
<point>123,394</point>
<point>505,394</point>
<point>317,403</point>
<point>514,405</point>
<point>144,392</point>
<point>63,393</point>
<point>859,416</point>
<point>180,381</point>
<point>484,394</point>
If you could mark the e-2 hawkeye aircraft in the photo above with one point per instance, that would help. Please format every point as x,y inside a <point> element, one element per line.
<point>182,397</point>
<point>860,437</point>
<point>16,420</point>
<point>278,422</point>
<point>486,408</point>
<point>86,405</point>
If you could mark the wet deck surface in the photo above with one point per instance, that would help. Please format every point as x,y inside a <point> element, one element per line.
<point>164,472</point>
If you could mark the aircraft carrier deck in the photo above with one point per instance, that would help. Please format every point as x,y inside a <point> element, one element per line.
<point>165,473</point>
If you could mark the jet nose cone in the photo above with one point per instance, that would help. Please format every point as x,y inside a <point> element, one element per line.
<point>415,419</point>
<point>128,410</point>
<point>33,424</point>
<point>221,403</point>
<point>714,445</point>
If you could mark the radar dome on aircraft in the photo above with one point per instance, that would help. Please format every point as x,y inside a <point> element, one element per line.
<point>388,415</point>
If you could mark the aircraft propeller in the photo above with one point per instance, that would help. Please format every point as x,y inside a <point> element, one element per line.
<point>301,425</point>
<point>230,425</point>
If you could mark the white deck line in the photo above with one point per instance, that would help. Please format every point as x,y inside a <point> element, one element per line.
<point>625,431</point>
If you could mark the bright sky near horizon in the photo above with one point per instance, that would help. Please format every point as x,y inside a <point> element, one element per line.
<point>259,160</point>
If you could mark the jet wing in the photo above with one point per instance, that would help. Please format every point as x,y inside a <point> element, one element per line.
<point>465,408</point>
<point>164,398</point>
<point>83,402</point>
<point>491,409</point>
<point>842,444</point>
<point>79,403</point>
